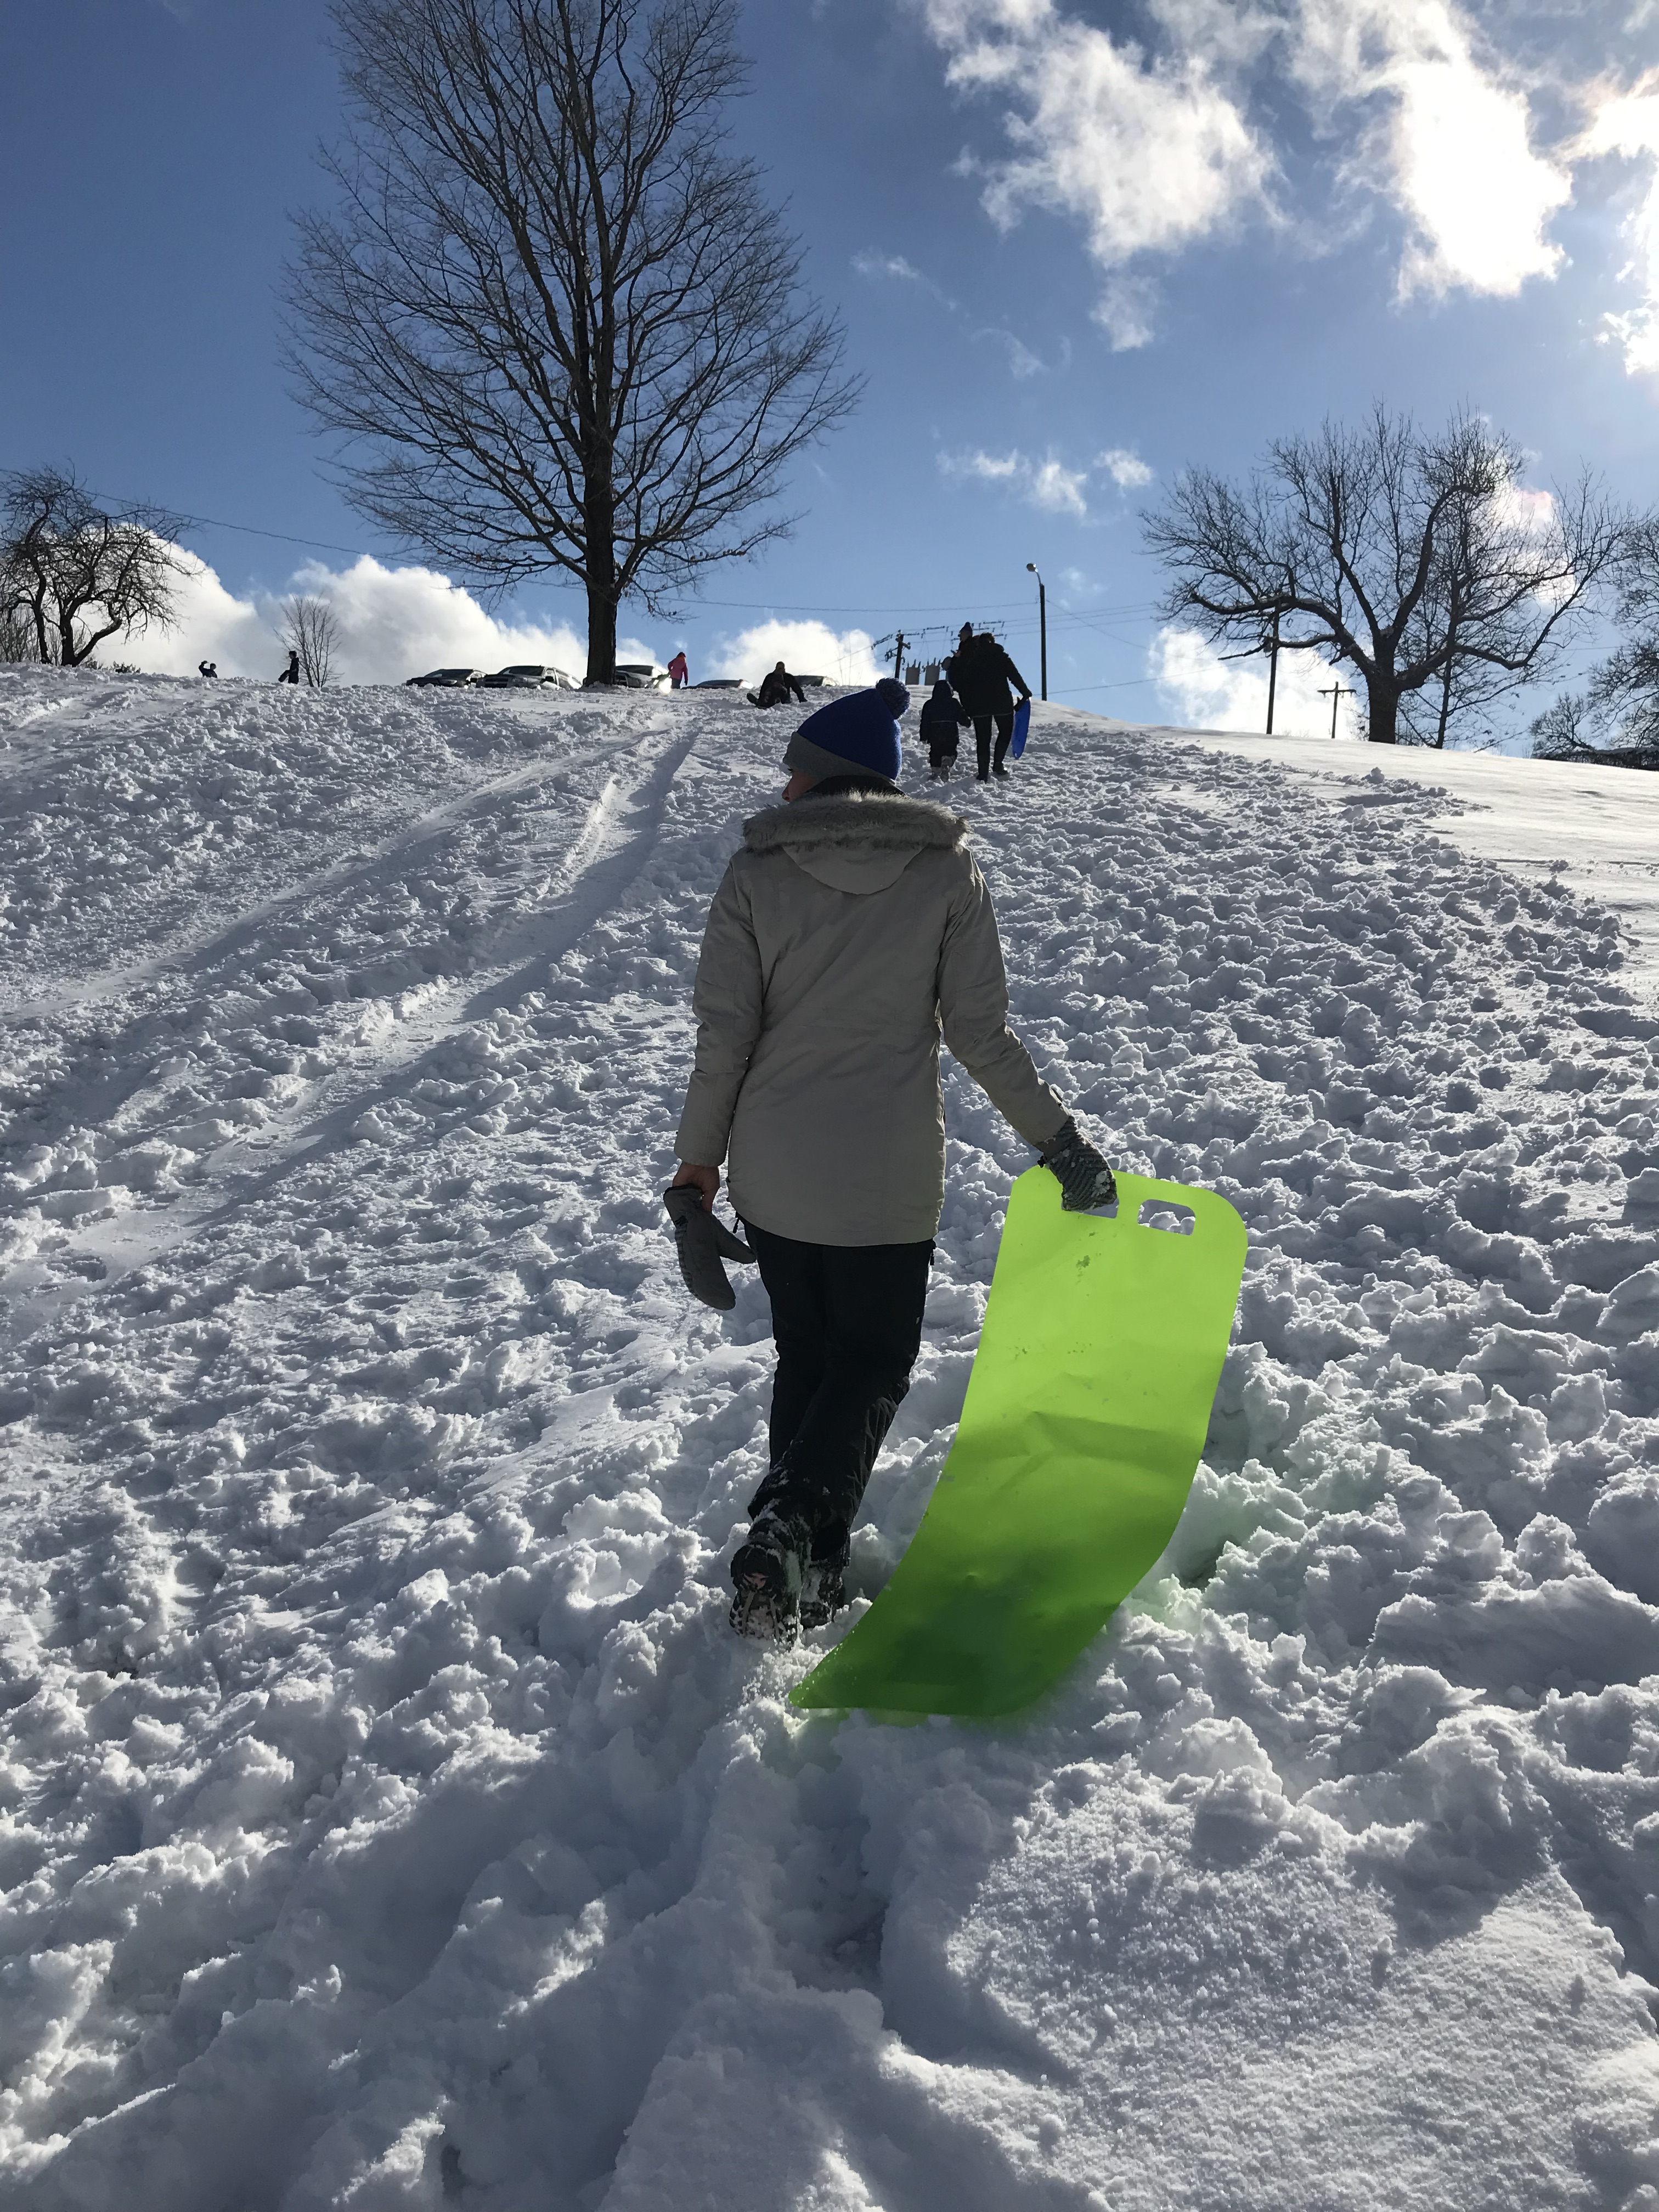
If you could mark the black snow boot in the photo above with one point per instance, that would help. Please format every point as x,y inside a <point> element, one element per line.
<point>767,1574</point>
<point>823,1590</point>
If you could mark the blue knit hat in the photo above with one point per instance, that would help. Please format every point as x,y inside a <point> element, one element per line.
<point>857,735</point>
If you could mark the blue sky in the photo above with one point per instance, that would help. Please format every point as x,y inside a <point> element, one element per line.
<point>1075,246</point>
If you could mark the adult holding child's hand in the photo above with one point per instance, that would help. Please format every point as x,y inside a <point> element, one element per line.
<point>982,675</point>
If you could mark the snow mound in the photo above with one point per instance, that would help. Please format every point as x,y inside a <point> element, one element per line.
<point>387,1818</point>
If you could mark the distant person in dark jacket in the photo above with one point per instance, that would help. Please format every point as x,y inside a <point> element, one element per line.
<point>981,673</point>
<point>291,673</point>
<point>679,675</point>
<point>208,669</point>
<point>776,688</point>
<point>942,717</point>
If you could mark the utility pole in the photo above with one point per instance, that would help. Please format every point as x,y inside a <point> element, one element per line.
<point>899,644</point>
<point>1272,673</point>
<point>1043,626</point>
<point>1334,695</point>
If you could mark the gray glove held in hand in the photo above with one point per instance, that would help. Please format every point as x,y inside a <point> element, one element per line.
<point>701,1242</point>
<point>1084,1179</point>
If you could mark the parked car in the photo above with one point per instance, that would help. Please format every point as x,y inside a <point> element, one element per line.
<point>451,679</point>
<point>719,683</point>
<point>523,676</point>
<point>638,675</point>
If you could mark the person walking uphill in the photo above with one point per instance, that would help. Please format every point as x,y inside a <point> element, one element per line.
<point>981,672</point>
<point>942,716</point>
<point>850,931</point>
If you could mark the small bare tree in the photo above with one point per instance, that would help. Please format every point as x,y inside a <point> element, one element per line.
<point>72,575</point>
<point>1615,719</point>
<point>312,629</point>
<point>1424,562</point>
<point>554,308</point>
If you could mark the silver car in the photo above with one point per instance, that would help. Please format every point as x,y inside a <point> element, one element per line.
<point>523,676</point>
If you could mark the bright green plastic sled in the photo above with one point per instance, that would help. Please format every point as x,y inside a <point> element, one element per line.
<point>1085,1414</point>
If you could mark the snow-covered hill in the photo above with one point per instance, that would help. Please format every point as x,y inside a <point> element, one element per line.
<point>390,1818</point>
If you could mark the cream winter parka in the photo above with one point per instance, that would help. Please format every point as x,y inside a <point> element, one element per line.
<point>847,934</point>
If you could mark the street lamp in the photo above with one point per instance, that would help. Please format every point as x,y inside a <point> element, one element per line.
<point>1043,621</point>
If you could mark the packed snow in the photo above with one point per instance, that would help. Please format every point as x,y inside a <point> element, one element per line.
<point>389,1818</point>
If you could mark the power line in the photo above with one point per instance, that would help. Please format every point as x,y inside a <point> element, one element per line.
<point>1129,684</point>
<point>746,607</point>
<point>248,530</point>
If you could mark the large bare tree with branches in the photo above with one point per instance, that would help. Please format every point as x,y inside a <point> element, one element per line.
<point>554,318</point>
<point>73,574</point>
<point>1425,564</point>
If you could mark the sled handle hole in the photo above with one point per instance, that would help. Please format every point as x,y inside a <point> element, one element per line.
<point>1163,1213</point>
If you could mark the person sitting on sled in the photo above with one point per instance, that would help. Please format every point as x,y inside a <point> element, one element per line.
<point>851,930</point>
<point>776,687</point>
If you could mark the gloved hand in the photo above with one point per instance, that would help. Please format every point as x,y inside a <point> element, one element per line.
<point>701,1242</point>
<point>1084,1179</point>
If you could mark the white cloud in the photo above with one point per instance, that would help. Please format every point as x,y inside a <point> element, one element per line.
<point>1022,361</point>
<point>990,468</point>
<point>1127,470</point>
<point>1058,489</point>
<point>1155,152</point>
<point>1124,311</point>
<point>1049,483</point>
<point>888,264</point>
<point>1149,155</point>
<point>805,648</point>
<point>1453,143</point>
<point>394,622</point>
<point>1209,693</point>
<point>895,268</point>
<point>1627,125</point>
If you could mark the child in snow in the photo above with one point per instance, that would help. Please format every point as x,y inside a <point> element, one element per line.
<point>850,930</point>
<point>942,716</point>
<point>291,673</point>
<point>680,674</point>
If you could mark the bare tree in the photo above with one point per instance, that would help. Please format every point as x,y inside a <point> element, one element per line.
<point>1423,562</point>
<point>1615,719</point>
<point>554,307</point>
<point>72,574</point>
<point>312,629</point>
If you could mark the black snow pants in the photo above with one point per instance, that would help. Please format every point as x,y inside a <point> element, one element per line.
<point>982,738</point>
<point>847,1321</point>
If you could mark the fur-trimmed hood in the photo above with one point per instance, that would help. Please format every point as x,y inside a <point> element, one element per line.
<point>855,840</point>
<point>871,821</point>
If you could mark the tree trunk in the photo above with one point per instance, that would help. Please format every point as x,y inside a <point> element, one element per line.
<point>601,628</point>
<point>599,530</point>
<point>1383,702</point>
